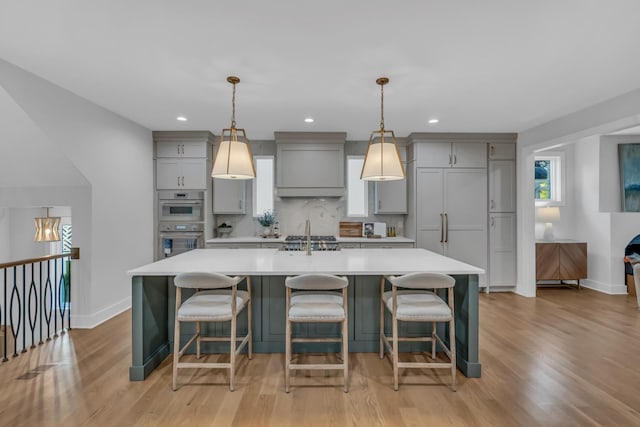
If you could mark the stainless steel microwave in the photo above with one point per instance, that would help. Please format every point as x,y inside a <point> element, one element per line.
<point>186,206</point>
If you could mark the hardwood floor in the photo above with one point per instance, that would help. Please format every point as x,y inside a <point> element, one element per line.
<point>566,358</point>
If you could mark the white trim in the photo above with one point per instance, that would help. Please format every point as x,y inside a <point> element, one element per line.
<point>92,320</point>
<point>558,177</point>
<point>607,288</point>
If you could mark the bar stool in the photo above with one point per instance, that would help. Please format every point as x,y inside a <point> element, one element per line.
<point>315,300</point>
<point>212,302</point>
<point>413,303</point>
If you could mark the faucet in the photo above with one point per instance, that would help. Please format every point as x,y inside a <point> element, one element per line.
<point>307,233</point>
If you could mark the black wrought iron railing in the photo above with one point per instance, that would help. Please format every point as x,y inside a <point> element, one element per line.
<point>36,301</point>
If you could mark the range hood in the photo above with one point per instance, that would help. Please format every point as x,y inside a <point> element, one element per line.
<point>310,164</point>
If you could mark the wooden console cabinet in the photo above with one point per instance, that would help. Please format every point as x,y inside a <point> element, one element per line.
<point>561,261</point>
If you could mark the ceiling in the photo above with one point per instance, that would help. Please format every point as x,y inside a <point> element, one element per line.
<point>490,66</point>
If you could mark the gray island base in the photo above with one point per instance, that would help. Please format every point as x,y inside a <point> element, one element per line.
<point>153,299</point>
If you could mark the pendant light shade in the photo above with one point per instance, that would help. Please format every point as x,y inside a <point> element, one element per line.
<point>47,229</point>
<point>233,159</point>
<point>382,161</point>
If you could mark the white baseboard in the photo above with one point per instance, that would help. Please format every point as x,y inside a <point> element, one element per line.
<point>498,288</point>
<point>93,320</point>
<point>607,288</point>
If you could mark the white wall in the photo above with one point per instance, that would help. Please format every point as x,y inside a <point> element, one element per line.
<point>598,229</point>
<point>111,196</point>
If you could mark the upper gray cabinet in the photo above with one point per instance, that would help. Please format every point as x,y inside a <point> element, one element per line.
<point>451,154</point>
<point>390,197</point>
<point>229,196</point>
<point>310,164</point>
<point>182,159</point>
<point>502,151</point>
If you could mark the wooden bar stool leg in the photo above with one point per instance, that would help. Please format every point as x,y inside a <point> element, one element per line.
<point>345,342</point>
<point>381,317</point>
<point>433,340</point>
<point>176,340</point>
<point>198,334</point>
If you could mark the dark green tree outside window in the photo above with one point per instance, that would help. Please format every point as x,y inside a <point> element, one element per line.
<point>543,179</point>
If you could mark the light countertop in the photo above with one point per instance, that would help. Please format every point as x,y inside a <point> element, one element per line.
<point>255,239</point>
<point>272,262</point>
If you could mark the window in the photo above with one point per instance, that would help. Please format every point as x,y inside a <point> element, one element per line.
<point>263,185</point>
<point>549,178</point>
<point>357,189</point>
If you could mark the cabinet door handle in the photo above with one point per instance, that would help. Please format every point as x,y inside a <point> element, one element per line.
<point>492,204</point>
<point>178,183</point>
<point>183,181</point>
<point>491,147</point>
<point>446,224</point>
<point>455,159</point>
<point>178,149</point>
<point>450,159</point>
<point>240,204</point>
<point>493,222</point>
<point>441,229</point>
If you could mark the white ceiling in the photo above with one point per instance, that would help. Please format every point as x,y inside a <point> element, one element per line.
<point>493,65</point>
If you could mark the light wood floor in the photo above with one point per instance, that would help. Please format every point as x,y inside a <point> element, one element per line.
<point>566,358</point>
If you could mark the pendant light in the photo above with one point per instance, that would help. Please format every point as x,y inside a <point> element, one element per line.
<point>47,229</point>
<point>233,159</point>
<point>382,161</point>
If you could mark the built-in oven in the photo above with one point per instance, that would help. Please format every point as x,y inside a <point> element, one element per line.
<point>176,238</point>
<point>181,206</point>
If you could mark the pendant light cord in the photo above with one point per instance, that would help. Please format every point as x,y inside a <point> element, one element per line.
<point>382,107</point>
<point>233,108</point>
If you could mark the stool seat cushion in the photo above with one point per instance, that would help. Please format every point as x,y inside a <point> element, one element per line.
<point>418,306</point>
<point>211,305</point>
<point>316,306</point>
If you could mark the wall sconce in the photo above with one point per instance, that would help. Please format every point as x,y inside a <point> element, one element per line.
<point>548,215</point>
<point>47,228</point>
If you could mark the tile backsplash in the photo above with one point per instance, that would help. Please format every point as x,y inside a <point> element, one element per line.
<point>325,215</point>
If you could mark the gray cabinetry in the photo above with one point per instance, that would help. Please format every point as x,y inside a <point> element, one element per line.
<point>502,215</point>
<point>451,154</point>
<point>502,151</point>
<point>390,197</point>
<point>502,249</point>
<point>229,196</point>
<point>310,164</point>
<point>451,213</point>
<point>180,148</point>
<point>182,160</point>
<point>179,174</point>
<point>502,186</point>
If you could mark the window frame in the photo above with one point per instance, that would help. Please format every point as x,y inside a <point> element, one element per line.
<point>254,192</point>
<point>365,186</point>
<point>557,179</point>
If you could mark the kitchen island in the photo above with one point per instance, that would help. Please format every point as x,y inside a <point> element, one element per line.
<point>153,297</point>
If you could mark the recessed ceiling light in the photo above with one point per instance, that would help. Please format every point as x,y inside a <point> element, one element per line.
<point>181,119</point>
<point>309,120</point>
<point>433,121</point>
